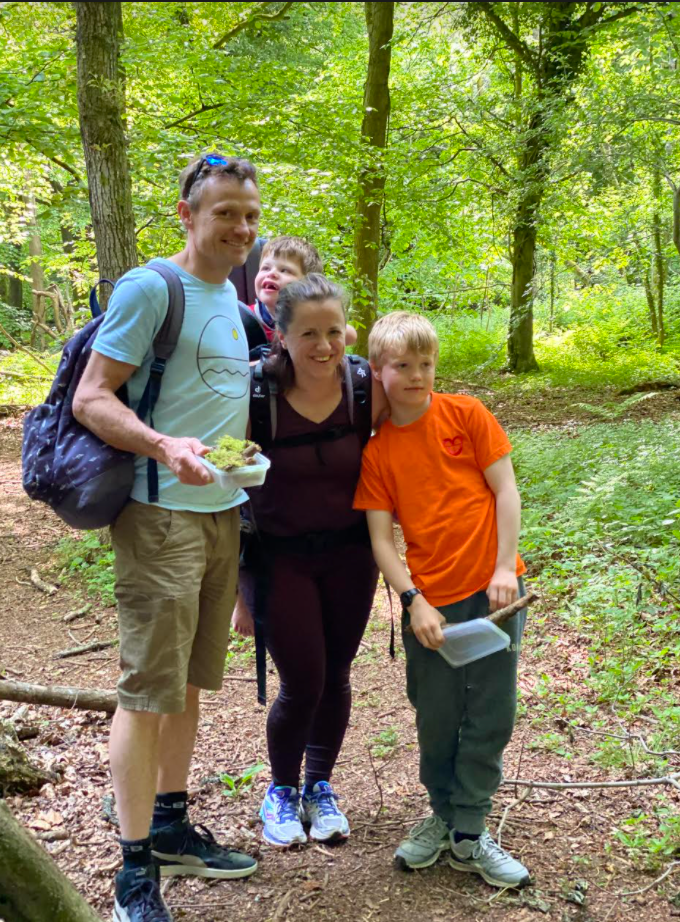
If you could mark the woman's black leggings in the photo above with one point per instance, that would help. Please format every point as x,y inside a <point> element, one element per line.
<point>317,610</point>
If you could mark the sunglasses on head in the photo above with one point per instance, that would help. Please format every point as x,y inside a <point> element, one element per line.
<point>207,160</point>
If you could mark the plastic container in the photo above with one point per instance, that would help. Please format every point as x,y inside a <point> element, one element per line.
<point>472,640</point>
<point>250,475</point>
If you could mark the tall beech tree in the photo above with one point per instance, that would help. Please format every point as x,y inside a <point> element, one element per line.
<point>101,107</point>
<point>565,31</point>
<point>371,190</point>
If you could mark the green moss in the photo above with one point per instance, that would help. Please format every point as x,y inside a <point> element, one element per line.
<point>231,453</point>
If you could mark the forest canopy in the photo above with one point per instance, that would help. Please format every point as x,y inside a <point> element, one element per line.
<point>529,168</point>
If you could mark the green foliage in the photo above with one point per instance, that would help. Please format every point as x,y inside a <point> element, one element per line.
<point>601,528</point>
<point>88,560</point>
<point>237,785</point>
<point>385,743</point>
<point>22,380</point>
<point>652,838</point>
<point>241,650</point>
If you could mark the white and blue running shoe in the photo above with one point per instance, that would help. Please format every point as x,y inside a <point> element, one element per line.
<point>280,813</point>
<point>319,808</point>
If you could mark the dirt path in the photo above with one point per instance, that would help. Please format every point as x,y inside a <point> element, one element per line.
<point>566,839</point>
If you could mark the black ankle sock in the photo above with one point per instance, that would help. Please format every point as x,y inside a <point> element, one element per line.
<point>461,836</point>
<point>136,853</point>
<point>168,808</point>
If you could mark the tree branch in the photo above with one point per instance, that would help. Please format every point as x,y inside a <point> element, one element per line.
<point>512,41</point>
<point>566,785</point>
<point>256,17</point>
<point>204,108</point>
<point>621,14</point>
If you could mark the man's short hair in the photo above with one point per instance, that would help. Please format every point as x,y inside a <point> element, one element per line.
<point>193,177</point>
<point>297,248</point>
<point>401,332</point>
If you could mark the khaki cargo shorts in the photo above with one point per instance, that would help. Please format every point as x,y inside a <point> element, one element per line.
<point>176,575</point>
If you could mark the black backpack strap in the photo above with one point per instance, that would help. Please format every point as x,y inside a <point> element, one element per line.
<point>263,393</point>
<point>164,345</point>
<point>95,308</point>
<point>359,396</point>
<point>255,334</point>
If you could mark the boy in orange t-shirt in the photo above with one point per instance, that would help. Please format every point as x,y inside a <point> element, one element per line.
<point>442,464</point>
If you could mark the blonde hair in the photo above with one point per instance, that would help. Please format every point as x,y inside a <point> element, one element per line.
<point>297,248</point>
<point>401,332</point>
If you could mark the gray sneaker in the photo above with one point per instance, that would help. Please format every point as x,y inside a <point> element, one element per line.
<point>486,858</point>
<point>424,844</point>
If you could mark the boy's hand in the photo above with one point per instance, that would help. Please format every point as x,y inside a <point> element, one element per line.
<point>426,622</point>
<point>502,589</point>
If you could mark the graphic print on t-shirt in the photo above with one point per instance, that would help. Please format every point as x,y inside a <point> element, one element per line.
<point>223,369</point>
<point>454,446</point>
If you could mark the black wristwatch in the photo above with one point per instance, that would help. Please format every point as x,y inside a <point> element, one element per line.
<point>406,598</point>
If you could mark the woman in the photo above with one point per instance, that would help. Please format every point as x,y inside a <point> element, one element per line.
<point>311,548</point>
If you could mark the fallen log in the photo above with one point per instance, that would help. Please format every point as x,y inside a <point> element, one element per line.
<point>86,699</point>
<point>32,888</point>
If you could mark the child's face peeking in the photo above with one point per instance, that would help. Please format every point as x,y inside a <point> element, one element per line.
<point>408,378</point>
<point>273,274</point>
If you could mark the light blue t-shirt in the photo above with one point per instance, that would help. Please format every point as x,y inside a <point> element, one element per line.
<point>205,391</point>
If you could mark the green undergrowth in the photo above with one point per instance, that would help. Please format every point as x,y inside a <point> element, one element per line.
<point>87,560</point>
<point>23,381</point>
<point>601,534</point>
<point>601,531</point>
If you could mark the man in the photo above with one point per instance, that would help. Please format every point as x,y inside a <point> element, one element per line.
<point>177,559</point>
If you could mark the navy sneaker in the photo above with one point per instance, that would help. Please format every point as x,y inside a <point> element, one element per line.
<point>181,850</point>
<point>138,897</point>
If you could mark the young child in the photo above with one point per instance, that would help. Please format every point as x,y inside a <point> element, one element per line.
<point>442,463</point>
<point>284,259</point>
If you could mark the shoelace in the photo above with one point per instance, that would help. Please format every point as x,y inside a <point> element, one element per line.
<point>488,845</point>
<point>287,807</point>
<point>204,838</point>
<point>426,828</point>
<point>147,898</point>
<point>326,802</point>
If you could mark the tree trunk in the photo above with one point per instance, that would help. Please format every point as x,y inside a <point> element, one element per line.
<point>657,258</point>
<point>101,106</point>
<point>87,699</point>
<point>37,273</point>
<point>380,24</point>
<point>676,217</point>
<point>566,32</point>
<point>521,357</point>
<point>651,304</point>
<point>17,773</point>
<point>32,888</point>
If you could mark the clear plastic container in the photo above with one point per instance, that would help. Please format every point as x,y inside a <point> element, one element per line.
<point>472,640</point>
<point>251,475</point>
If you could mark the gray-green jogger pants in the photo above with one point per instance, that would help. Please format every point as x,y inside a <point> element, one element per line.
<point>464,717</point>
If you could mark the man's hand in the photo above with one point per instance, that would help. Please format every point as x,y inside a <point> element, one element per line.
<point>181,456</point>
<point>426,622</point>
<point>502,589</point>
<point>241,620</point>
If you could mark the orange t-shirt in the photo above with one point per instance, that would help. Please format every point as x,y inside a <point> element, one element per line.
<point>431,474</point>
